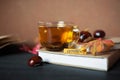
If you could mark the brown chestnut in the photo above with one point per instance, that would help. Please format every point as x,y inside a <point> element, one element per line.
<point>99,34</point>
<point>84,35</point>
<point>35,61</point>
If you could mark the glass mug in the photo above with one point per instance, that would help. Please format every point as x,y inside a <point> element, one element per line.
<point>55,36</point>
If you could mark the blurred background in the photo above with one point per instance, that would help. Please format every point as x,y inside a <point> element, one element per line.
<point>20,17</point>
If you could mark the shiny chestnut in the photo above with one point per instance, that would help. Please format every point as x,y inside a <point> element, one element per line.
<point>35,61</point>
<point>84,35</point>
<point>99,34</point>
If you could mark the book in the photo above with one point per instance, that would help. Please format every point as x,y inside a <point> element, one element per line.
<point>101,62</point>
<point>6,40</point>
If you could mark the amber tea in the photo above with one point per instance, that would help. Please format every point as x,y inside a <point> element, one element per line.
<point>55,37</point>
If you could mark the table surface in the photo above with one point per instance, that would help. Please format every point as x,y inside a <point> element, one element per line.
<point>13,66</point>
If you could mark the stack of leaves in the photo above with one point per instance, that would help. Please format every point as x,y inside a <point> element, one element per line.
<point>98,45</point>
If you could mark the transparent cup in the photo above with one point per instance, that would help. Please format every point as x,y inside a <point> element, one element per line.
<point>55,36</point>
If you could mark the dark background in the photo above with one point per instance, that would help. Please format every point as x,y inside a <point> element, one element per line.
<point>14,66</point>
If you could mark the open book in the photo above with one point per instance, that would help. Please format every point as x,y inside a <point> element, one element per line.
<point>6,40</point>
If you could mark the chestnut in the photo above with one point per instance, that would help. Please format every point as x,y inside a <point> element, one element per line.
<point>99,34</point>
<point>84,35</point>
<point>35,61</point>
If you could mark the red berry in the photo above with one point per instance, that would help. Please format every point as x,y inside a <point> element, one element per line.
<point>34,61</point>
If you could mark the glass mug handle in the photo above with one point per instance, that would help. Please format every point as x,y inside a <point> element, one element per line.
<point>76,35</point>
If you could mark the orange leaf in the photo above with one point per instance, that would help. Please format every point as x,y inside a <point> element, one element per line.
<point>100,46</point>
<point>93,48</point>
<point>108,43</point>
